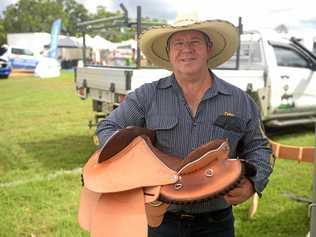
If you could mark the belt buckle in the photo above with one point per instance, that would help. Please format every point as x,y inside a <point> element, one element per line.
<point>186,216</point>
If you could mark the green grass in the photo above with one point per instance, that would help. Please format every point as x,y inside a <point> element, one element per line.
<point>44,132</point>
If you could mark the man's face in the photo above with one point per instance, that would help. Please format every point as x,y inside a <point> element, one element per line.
<point>188,52</point>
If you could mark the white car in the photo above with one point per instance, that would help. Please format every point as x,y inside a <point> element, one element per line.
<point>21,58</point>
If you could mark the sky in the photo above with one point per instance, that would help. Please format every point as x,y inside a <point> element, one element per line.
<point>265,14</point>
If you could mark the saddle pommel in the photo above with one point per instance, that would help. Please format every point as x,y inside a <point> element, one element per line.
<point>121,138</point>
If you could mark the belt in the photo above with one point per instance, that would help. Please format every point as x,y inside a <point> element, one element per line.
<point>181,215</point>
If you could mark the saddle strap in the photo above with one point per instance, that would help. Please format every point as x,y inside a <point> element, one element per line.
<point>299,153</point>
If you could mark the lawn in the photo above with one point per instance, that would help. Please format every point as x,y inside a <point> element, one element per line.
<point>45,139</point>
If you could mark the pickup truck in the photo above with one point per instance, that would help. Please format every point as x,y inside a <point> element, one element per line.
<point>279,73</point>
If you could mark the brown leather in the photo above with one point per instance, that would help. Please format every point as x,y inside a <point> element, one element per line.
<point>88,203</point>
<point>155,212</point>
<point>299,153</point>
<point>122,138</point>
<point>151,193</point>
<point>140,175</point>
<point>206,177</point>
<point>120,214</point>
<point>124,170</point>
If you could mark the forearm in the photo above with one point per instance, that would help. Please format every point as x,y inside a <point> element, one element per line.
<point>261,160</point>
<point>257,151</point>
<point>105,129</point>
<point>129,113</point>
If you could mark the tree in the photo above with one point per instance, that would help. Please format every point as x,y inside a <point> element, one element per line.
<point>3,34</point>
<point>31,16</point>
<point>112,34</point>
<point>38,16</point>
<point>74,13</point>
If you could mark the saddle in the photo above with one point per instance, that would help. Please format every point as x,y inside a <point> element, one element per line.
<point>129,182</point>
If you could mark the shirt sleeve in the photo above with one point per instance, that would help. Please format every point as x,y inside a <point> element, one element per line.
<point>131,112</point>
<point>255,148</point>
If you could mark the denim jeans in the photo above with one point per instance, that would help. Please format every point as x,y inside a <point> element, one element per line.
<point>213,224</point>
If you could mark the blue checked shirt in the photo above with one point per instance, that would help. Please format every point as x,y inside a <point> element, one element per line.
<point>224,112</point>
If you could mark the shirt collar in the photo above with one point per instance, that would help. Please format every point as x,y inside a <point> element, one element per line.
<point>166,82</point>
<point>219,86</point>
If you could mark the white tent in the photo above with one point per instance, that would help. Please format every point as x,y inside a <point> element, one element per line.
<point>97,42</point>
<point>102,43</point>
<point>131,43</point>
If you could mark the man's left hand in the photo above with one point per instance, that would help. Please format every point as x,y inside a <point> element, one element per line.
<point>241,193</point>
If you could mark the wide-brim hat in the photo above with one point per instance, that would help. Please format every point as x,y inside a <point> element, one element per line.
<point>223,34</point>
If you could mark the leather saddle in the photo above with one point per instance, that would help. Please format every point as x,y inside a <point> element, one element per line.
<point>129,182</point>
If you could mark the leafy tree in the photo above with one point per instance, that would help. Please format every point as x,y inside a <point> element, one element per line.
<point>31,16</point>
<point>3,34</point>
<point>74,13</point>
<point>113,34</point>
<point>38,16</point>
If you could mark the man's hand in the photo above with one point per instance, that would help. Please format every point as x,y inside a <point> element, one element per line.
<point>241,193</point>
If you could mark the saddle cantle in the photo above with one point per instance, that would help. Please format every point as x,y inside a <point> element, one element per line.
<point>130,181</point>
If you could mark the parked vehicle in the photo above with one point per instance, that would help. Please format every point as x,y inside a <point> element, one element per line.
<point>5,65</point>
<point>278,73</point>
<point>21,58</point>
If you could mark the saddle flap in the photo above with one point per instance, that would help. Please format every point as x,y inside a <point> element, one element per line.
<point>88,203</point>
<point>116,210</point>
<point>133,167</point>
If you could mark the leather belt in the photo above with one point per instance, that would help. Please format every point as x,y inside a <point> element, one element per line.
<point>181,215</point>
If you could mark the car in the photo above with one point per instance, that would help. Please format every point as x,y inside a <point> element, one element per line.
<point>21,58</point>
<point>5,65</point>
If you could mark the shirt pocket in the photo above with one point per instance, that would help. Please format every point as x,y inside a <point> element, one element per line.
<point>165,127</point>
<point>232,128</point>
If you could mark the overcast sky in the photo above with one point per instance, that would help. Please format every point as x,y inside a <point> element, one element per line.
<point>255,14</point>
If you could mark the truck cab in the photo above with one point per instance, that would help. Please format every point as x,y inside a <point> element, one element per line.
<point>279,73</point>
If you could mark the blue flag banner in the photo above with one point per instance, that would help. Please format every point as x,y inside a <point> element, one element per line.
<point>56,27</point>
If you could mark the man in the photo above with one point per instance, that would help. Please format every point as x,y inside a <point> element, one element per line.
<point>191,107</point>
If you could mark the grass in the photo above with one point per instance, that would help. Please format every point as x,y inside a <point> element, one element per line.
<point>44,131</point>
<point>44,134</point>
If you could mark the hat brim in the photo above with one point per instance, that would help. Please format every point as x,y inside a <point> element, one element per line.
<point>223,34</point>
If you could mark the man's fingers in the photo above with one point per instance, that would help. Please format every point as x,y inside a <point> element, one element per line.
<point>240,194</point>
<point>232,200</point>
<point>235,192</point>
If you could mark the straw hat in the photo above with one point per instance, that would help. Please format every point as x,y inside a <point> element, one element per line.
<point>223,34</point>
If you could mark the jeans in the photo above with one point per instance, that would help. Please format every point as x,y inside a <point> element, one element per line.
<point>212,224</point>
